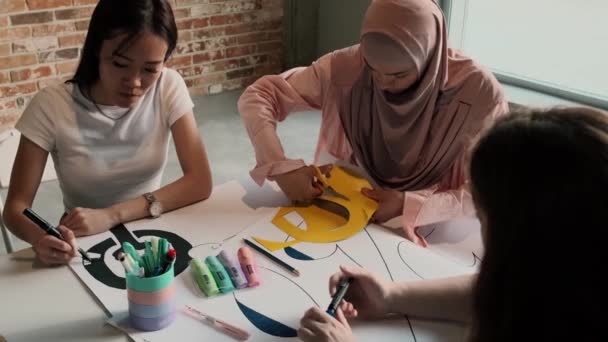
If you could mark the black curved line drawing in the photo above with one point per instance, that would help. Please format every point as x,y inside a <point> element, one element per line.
<point>379,253</point>
<point>219,245</point>
<point>404,262</point>
<point>475,259</point>
<point>347,255</point>
<point>102,272</point>
<point>411,328</point>
<point>293,282</point>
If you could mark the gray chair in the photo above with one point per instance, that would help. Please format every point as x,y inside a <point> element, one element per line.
<point>6,235</point>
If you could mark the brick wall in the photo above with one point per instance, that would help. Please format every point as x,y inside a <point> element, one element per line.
<point>223,45</point>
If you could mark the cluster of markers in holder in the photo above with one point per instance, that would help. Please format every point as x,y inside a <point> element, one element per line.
<point>222,274</point>
<point>157,259</point>
<point>150,284</point>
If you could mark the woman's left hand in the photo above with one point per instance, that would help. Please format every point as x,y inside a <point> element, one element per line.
<point>85,221</point>
<point>317,325</point>
<point>390,203</point>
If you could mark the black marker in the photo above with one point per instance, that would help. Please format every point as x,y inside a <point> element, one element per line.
<point>49,229</point>
<point>337,299</point>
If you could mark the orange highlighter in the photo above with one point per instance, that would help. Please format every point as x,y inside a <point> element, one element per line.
<point>248,266</point>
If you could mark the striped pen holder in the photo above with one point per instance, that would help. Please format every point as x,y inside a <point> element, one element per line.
<point>151,301</point>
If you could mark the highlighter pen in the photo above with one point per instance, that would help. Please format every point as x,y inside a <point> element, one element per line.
<point>248,266</point>
<point>219,274</point>
<point>203,278</point>
<point>227,328</point>
<point>129,249</point>
<point>167,260</point>
<point>49,229</point>
<point>337,299</point>
<point>234,271</point>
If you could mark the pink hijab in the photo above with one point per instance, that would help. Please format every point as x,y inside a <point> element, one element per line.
<point>409,140</point>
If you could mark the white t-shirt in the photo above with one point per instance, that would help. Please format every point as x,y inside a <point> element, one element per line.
<point>103,158</point>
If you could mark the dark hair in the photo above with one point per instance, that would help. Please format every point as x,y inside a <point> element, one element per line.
<point>114,17</point>
<point>541,179</point>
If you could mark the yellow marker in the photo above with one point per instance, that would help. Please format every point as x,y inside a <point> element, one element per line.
<point>323,226</point>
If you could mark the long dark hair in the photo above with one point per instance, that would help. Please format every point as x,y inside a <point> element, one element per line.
<point>114,17</point>
<point>541,179</point>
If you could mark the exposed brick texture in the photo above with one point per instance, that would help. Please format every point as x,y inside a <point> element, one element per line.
<point>222,45</point>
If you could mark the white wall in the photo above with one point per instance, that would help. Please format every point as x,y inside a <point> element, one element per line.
<point>556,43</point>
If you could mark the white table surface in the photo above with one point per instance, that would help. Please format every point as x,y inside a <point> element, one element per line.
<point>51,304</point>
<point>38,303</point>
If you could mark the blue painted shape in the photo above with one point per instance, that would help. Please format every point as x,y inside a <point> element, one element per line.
<point>266,324</point>
<point>296,254</point>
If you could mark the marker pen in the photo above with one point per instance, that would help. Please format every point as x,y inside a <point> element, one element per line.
<point>203,278</point>
<point>219,274</point>
<point>233,269</point>
<point>337,299</point>
<point>248,266</point>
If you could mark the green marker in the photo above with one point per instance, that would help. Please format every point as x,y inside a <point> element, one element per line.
<point>203,278</point>
<point>129,249</point>
<point>219,274</point>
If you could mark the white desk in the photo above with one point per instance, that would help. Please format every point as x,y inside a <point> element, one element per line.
<point>48,304</point>
<point>51,304</point>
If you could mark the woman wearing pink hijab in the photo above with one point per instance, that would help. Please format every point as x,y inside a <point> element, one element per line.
<point>400,104</point>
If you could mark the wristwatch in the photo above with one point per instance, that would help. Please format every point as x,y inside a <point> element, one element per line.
<point>155,208</point>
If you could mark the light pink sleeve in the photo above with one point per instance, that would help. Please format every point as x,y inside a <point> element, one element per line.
<point>271,99</point>
<point>448,200</point>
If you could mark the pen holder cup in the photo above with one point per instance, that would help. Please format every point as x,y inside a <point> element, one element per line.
<point>151,301</point>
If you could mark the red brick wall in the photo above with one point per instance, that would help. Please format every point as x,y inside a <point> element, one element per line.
<point>223,45</point>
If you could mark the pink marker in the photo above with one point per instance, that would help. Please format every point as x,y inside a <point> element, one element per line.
<point>248,266</point>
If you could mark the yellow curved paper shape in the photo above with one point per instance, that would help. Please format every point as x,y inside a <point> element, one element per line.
<point>323,226</point>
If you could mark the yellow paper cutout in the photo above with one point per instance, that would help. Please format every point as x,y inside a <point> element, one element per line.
<point>324,226</point>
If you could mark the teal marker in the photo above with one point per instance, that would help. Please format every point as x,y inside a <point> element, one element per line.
<point>203,278</point>
<point>219,274</point>
<point>129,249</point>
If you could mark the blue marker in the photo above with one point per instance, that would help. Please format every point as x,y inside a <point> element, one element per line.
<point>337,299</point>
<point>234,271</point>
<point>219,274</point>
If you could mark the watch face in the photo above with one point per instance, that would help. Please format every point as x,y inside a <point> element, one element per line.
<point>156,209</point>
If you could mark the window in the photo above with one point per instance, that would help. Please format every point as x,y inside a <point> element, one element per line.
<point>553,47</point>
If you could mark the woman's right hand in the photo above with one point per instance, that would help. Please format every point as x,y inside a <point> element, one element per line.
<point>367,295</point>
<point>53,251</point>
<point>301,185</point>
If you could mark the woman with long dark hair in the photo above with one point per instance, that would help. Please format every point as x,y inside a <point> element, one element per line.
<point>539,181</point>
<point>107,130</point>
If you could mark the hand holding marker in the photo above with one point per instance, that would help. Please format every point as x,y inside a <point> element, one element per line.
<point>50,229</point>
<point>337,299</point>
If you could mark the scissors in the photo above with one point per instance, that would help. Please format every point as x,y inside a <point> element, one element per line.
<point>328,190</point>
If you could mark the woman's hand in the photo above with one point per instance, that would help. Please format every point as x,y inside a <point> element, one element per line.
<point>368,294</point>
<point>301,185</point>
<point>318,326</point>
<point>85,221</point>
<point>53,251</point>
<point>390,203</point>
